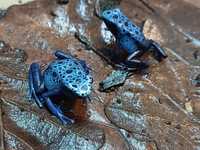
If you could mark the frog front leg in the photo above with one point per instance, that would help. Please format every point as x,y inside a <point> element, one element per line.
<point>36,83</point>
<point>55,110</point>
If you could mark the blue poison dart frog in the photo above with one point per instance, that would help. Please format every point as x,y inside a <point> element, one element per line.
<point>66,73</point>
<point>130,38</point>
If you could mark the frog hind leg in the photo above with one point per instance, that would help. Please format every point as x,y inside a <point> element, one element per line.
<point>130,45</point>
<point>55,110</point>
<point>132,63</point>
<point>35,80</point>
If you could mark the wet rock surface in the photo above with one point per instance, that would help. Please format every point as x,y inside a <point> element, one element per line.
<point>155,109</point>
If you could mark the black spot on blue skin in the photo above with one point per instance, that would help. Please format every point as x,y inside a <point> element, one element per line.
<point>69,76</point>
<point>75,86</point>
<point>136,32</point>
<point>133,25</point>
<point>54,74</point>
<point>87,71</point>
<point>78,80</point>
<point>108,12</point>
<point>126,23</point>
<point>123,18</point>
<point>69,71</point>
<point>76,63</point>
<point>115,16</point>
<point>73,68</point>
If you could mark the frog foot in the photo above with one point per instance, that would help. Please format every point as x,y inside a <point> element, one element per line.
<point>55,110</point>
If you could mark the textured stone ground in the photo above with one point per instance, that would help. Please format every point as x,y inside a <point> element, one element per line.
<point>156,109</point>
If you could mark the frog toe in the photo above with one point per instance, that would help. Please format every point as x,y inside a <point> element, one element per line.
<point>55,110</point>
<point>65,120</point>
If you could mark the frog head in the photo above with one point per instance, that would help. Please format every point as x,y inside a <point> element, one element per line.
<point>113,18</point>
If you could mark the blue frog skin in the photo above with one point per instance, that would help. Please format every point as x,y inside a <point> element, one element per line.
<point>130,38</point>
<point>65,73</point>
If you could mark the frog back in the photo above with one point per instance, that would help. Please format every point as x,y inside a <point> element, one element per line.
<point>71,73</point>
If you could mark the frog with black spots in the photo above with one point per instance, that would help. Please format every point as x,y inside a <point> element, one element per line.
<point>66,73</point>
<point>130,38</point>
